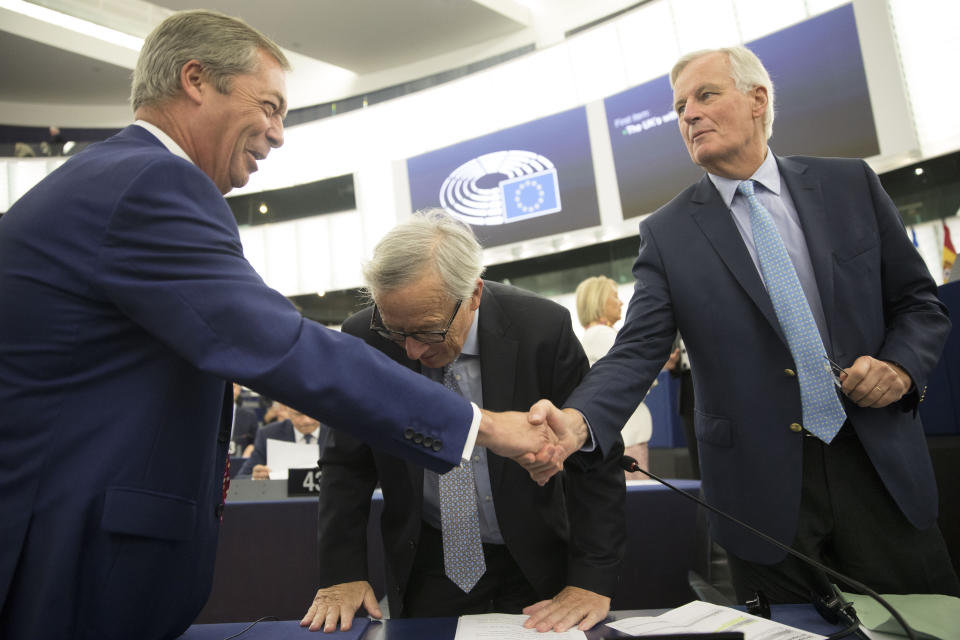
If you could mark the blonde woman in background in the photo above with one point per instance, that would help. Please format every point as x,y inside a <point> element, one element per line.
<point>598,309</point>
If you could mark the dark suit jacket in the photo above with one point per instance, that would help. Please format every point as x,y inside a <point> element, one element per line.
<point>245,425</point>
<point>127,303</point>
<point>527,351</point>
<point>694,274</point>
<point>282,430</point>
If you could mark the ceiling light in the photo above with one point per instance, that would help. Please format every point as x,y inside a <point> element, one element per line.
<point>73,24</point>
<point>263,208</point>
<point>918,171</point>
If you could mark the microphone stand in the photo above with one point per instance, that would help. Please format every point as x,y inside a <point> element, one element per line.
<point>845,611</point>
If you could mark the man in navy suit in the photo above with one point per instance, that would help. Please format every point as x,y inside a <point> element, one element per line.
<point>128,304</point>
<point>866,503</point>
<point>551,551</point>
<point>297,427</point>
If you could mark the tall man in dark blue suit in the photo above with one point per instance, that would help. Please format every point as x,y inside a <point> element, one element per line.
<point>127,305</point>
<point>863,501</point>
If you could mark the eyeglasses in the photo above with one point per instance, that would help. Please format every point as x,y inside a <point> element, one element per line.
<point>426,337</point>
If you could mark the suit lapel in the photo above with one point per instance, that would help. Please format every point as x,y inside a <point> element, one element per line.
<point>808,198</point>
<point>498,367</point>
<point>716,222</point>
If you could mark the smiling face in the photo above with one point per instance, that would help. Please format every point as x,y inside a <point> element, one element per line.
<point>721,127</point>
<point>241,127</point>
<point>423,306</point>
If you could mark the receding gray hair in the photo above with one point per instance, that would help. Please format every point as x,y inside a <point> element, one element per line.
<point>431,239</point>
<point>746,70</point>
<point>225,46</point>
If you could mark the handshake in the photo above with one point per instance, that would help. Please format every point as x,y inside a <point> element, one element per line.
<point>539,440</point>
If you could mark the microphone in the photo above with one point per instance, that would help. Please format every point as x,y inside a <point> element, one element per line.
<point>826,598</point>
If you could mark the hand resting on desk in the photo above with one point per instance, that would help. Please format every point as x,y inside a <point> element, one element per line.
<point>339,603</point>
<point>572,606</point>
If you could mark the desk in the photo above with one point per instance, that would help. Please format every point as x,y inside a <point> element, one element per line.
<point>800,616</point>
<point>267,555</point>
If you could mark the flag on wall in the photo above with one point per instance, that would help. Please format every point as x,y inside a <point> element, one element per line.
<point>949,253</point>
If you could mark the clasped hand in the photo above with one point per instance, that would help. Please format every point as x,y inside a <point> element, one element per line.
<point>539,440</point>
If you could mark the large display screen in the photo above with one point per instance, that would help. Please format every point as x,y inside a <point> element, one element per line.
<point>822,108</point>
<point>528,181</point>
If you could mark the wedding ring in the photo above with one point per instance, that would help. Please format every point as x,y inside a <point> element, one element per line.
<point>878,388</point>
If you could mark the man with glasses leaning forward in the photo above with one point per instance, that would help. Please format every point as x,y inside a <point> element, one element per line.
<point>503,544</point>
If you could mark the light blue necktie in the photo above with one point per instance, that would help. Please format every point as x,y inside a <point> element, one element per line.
<point>459,519</point>
<point>823,414</point>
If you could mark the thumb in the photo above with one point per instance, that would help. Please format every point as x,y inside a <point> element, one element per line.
<point>370,603</point>
<point>540,411</point>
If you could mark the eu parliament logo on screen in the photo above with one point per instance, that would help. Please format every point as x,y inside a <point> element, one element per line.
<point>500,187</point>
<point>536,194</point>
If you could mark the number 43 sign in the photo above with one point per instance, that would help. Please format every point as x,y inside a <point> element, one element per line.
<point>303,482</point>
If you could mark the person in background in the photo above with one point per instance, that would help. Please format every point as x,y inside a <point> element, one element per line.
<point>275,413</point>
<point>679,368</point>
<point>245,426</point>
<point>135,307</point>
<point>599,309</point>
<point>811,323</point>
<point>550,551</point>
<point>294,427</point>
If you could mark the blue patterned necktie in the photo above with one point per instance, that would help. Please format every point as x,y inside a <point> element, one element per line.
<point>307,438</point>
<point>459,519</point>
<point>823,414</point>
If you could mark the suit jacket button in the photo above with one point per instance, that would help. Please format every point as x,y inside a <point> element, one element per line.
<point>437,445</point>
<point>790,372</point>
<point>408,434</point>
<point>796,427</point>
<point>418,438</point>
<point>428,441</point>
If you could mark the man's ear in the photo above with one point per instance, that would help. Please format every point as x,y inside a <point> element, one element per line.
<point>192,80</point>
<point>760,99</point>
<point>477,294</point>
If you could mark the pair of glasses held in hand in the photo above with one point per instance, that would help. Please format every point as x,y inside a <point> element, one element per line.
<point>836,370</point>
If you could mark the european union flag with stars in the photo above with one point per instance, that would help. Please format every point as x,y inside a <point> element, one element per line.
<point>535,194</point>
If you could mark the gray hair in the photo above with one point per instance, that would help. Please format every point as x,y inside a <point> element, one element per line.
<point>431,240</point>
<point>746,70</point>
<point>225,46</point>
<point>591,297</point>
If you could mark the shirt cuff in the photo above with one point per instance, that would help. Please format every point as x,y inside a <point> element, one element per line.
<point>472,435</point>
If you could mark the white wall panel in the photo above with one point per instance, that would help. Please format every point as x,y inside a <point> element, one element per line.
<point>649,42</point>
<point>315,269</point>
<point>758,18</point>
<point>283,265</point>
<point>704,24</point>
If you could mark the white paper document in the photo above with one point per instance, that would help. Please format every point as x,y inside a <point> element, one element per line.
<point>283,456</point>
<point>505,626</point>
<point>702,617</point>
